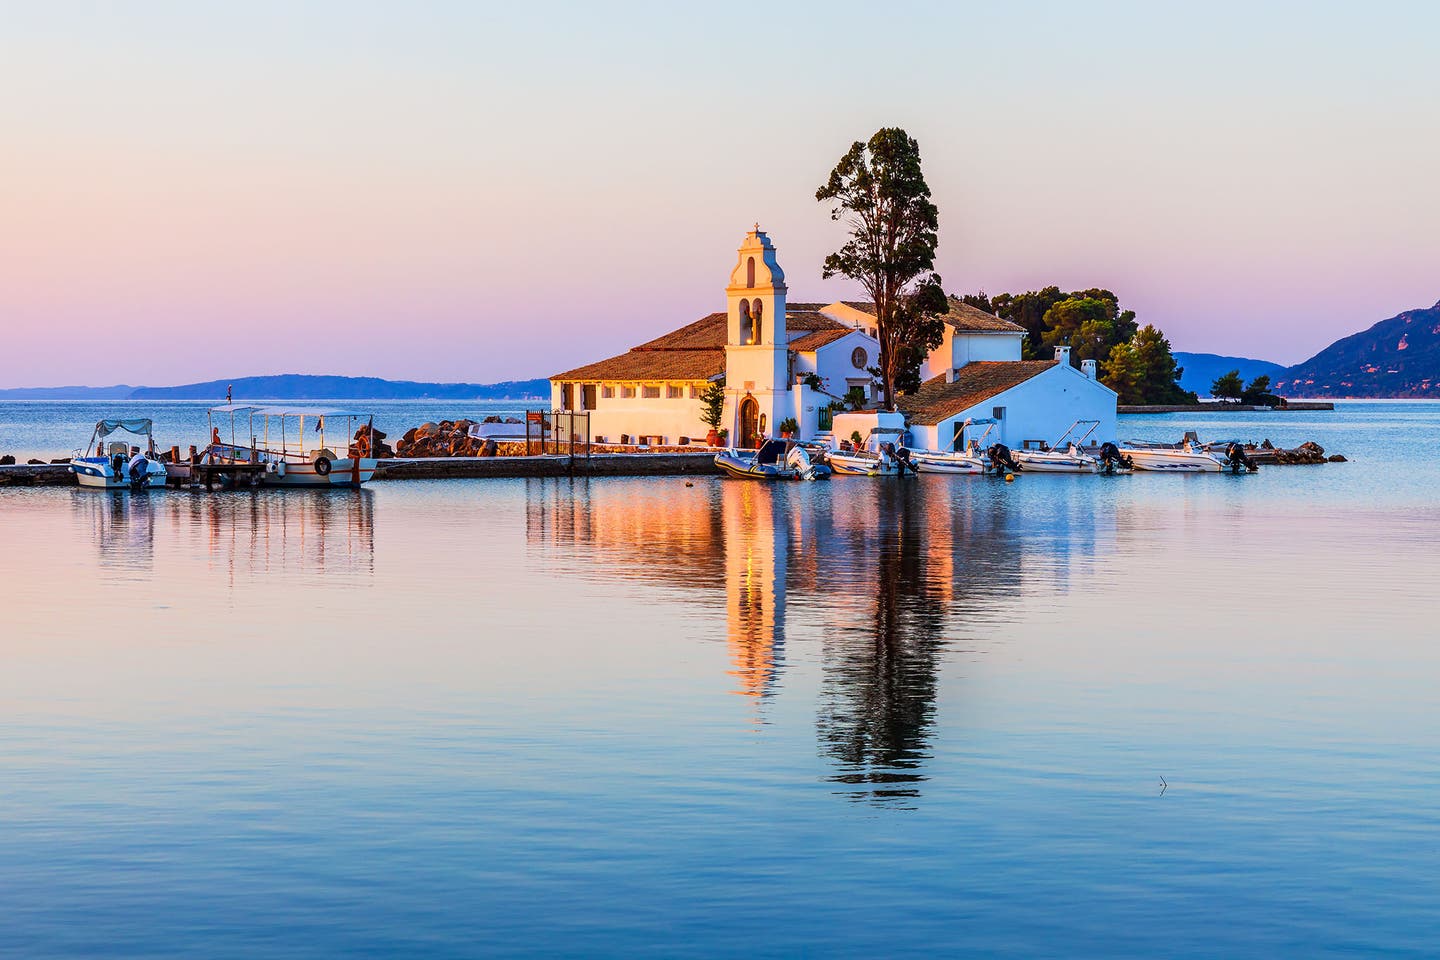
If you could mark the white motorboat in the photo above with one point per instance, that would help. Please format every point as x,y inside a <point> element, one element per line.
<point>280,448</point>
<point>883,455</point>
<point>1064,456</point>
<point>886,461</point>
<point>113,466</point>
<point>1189,456</point>
<point>933,461</point>
<point>1162,458</point>
<point>968,460</point>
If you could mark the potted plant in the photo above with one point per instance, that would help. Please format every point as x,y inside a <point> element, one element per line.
<point>788,427</point>
<point>722,437</point>
<point>712,410</point>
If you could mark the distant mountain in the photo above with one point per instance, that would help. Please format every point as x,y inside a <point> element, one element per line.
<point>118,392</point>
<point>1203,369</point>
<point>1398,357</point>
<point>294,386</point>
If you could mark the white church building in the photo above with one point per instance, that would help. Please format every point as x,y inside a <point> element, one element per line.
<point>782,360</point>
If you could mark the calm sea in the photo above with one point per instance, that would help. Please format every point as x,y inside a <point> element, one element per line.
<point>1180,716</point>
<point>47,429</point>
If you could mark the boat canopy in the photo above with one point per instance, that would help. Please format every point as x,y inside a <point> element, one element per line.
<point>277,411</point>
<point>308,412</point>
<point>139,426</point>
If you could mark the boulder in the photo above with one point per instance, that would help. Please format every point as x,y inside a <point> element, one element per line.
<point>35,463</point>
<point>7,461</point>
<point>1337,458</point>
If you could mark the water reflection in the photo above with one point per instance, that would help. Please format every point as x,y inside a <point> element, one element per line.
<point>877,697</point>
<point>122,528</point>
<point>246,535</point>
<point>885,578</point>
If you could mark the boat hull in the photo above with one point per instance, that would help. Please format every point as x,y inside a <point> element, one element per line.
<point>745,468</point>
<point>853,466</point>
<point>1053,463</point>
<point>949,463</point>
<point>1173,461</point>
<point>101,476</point>
<point>343,473</point>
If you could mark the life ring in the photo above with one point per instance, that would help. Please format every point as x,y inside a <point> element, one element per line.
<point>322,466</point>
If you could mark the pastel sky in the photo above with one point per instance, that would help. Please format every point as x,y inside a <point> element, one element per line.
<point>460,191</point>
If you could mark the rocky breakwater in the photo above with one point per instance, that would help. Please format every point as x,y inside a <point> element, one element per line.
<point>448,438</point>
<point>1308,452</point>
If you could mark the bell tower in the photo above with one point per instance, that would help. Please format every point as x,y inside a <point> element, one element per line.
<point>755,297</point>
<point>757,354</point>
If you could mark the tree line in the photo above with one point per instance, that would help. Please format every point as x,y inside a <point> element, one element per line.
<point>880,192</point>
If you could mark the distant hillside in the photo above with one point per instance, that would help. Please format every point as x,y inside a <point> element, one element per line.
<point>294,386</point>
<point>1398,357</point>
<point>1203,369</point>
<point>117,392</point>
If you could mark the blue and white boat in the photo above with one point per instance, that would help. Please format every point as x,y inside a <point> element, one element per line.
<point>108,466</point>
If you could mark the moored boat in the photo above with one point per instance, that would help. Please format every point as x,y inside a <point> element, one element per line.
<point>1166,459</point>
<point>1064,456</point>
<point>1189,457</point>
<point>968,460</point>
<point>279,451</point>
<point>774,460</point>
<point>117,465</point>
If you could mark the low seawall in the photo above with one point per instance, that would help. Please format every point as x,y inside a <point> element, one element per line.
<point>599,465</point>
<point>444,468</point>
<point>1227,407</point>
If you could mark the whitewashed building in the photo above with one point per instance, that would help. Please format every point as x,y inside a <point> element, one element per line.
<point>782,360</point>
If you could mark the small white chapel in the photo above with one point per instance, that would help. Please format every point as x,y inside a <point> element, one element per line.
<point>783,361</point>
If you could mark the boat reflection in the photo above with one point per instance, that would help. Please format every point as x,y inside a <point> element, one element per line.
<point>122,530</point>
<point>244,534</point>
<point>888,579</point>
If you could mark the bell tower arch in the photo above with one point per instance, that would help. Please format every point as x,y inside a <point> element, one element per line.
<point>757,352</point>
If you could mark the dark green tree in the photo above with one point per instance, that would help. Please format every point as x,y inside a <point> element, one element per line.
<point>1228,386</point>
<point>1028,310</point>
<point>1091,322</point>
<point>712,404</point>
<point>1258,392</point>
<point>1142,370</point>
<point>878,189</point>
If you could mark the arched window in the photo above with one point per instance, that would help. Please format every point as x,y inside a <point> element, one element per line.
<point>747,325</point>
<point>759,314</point>
<point>750,272</point>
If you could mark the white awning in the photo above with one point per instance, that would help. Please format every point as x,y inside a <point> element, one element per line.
<point>309,412</point>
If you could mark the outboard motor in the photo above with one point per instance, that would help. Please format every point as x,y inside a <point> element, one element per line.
<point>1000,458</point>
<point>1111,459</point>
<point>902,457</point>
<point>1237,460</point>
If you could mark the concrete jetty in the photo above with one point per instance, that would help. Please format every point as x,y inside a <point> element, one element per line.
<point>1293,405</point>
<point>445,468</point>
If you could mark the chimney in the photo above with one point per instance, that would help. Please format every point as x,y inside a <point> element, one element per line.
<point>1062,354</point>
<point>1087,367</point>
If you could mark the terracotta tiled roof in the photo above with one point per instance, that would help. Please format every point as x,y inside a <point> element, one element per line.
<point>810,320</point>
<point>652,365</point>
<point>975,383</point>
<point>962,317</point>
<point>697,350</point>
<point>818,339</point>
<point>707,333</point>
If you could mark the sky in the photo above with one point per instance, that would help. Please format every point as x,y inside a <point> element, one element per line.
<point>468,192</point>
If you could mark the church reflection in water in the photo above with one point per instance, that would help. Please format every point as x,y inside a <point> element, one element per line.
<point>887,577</point>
